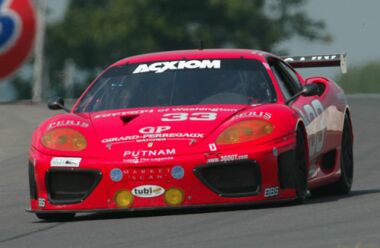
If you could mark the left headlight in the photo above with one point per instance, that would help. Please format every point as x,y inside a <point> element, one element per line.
<point>244,131</point>
<point>64,139</point>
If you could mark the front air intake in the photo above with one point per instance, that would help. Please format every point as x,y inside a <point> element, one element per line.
<point>67,186</point>
<point>232,179</point>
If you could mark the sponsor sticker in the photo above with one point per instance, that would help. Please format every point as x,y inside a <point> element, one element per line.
<point>160,67</point>
<point>150,130</point>
<point>149,153</point>
<point>271,192</point>
<point>41,202</point>
<point>212,147</point>
<point>228,158</point>
<point>137,160</point>
<point>178,172</point>
<point>148,191</point>
<point>65,162</point>
<point>116,175</point>
<point>153,137</point>
<point>147,174</point>
<point>132,112</point>
<point>68,123</point>
<point>253,114</point>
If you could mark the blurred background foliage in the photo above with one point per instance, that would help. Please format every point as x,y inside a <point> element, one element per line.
<point>361,79</point>
<point>96,33</point>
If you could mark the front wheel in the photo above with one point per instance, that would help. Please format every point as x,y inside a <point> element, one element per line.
<point>300,168</point>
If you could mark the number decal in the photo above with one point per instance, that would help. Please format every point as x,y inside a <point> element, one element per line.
<point>200,116</point>
<point>203,116</point>
<point>175,117</point>
<point>314,113</point>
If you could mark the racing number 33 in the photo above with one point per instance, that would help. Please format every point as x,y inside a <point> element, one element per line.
<point>199,116</point>
<point>314,113</point>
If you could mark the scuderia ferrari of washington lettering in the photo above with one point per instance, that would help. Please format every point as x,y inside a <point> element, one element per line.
<point>160,67</point>
<point>194,128</point>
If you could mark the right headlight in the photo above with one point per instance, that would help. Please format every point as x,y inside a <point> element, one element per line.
<point>244,131</point>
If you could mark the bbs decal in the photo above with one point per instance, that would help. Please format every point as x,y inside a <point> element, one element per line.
<point>271,192</point>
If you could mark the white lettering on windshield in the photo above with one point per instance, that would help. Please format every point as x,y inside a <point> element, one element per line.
<point>160,67</point>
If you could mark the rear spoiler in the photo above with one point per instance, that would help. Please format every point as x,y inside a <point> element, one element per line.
<point>318,61</point>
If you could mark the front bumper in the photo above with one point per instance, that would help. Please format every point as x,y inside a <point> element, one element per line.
<point>201,183</point>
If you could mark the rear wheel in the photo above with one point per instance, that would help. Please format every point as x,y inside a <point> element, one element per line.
<point>300,168</point>
<point>343,185</point>
<point>55,216</point>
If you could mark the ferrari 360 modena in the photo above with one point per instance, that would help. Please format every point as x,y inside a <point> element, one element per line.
<point>194,128</point>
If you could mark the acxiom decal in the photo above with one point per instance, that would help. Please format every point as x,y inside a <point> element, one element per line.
<point>160,67</point>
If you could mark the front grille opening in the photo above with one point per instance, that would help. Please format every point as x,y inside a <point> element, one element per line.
<point>233,179</point>
<point>67,186</point>
<point>286,161</point>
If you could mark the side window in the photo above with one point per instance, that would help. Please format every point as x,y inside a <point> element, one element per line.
<point>286,87</point>
<point>293,76</point>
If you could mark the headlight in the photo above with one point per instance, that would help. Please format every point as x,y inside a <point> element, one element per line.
<point>64,139</point>
<point>244,131</point>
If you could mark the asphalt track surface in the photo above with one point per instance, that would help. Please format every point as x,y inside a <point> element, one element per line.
<point>345,221</point>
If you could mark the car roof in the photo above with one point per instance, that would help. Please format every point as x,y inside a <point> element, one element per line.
<point>195,54</point>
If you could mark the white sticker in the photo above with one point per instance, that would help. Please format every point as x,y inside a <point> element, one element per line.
<point>271,192</point>
<point>153,130</point>
<point>212,147</point>
<point>68,123</point>
<point>41,202</point>
<point>65,162</point>
<point>148,191</point>
<point>160,67</point>
<point>149,153</point>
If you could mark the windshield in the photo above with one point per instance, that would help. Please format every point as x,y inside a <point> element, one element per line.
<point>175,83</point>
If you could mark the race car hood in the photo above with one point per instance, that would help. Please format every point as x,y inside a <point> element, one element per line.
<point>159,129</point>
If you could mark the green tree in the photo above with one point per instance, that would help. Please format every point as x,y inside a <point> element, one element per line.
<point>96,33</point>
<point>361,79</point>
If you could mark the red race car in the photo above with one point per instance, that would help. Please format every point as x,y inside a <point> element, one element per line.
<point>194,128</point>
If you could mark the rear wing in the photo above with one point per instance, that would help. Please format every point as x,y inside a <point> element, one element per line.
<point>318,61</point>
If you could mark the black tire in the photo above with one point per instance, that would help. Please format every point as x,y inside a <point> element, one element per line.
<point>343,185</point>
<point>300,168</point>
<point>55,216</point>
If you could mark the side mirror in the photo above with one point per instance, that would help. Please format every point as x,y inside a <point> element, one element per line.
<point>312,89</point>
<point>57,103</point>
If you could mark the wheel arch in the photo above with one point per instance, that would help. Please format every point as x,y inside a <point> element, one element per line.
<point>347,112</point>
<point>301,126</point>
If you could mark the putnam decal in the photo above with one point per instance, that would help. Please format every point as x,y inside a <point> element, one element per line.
<point>149,153</point>
<point>65,162</point>
<point>160,67</point>
<point>148,191</point>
